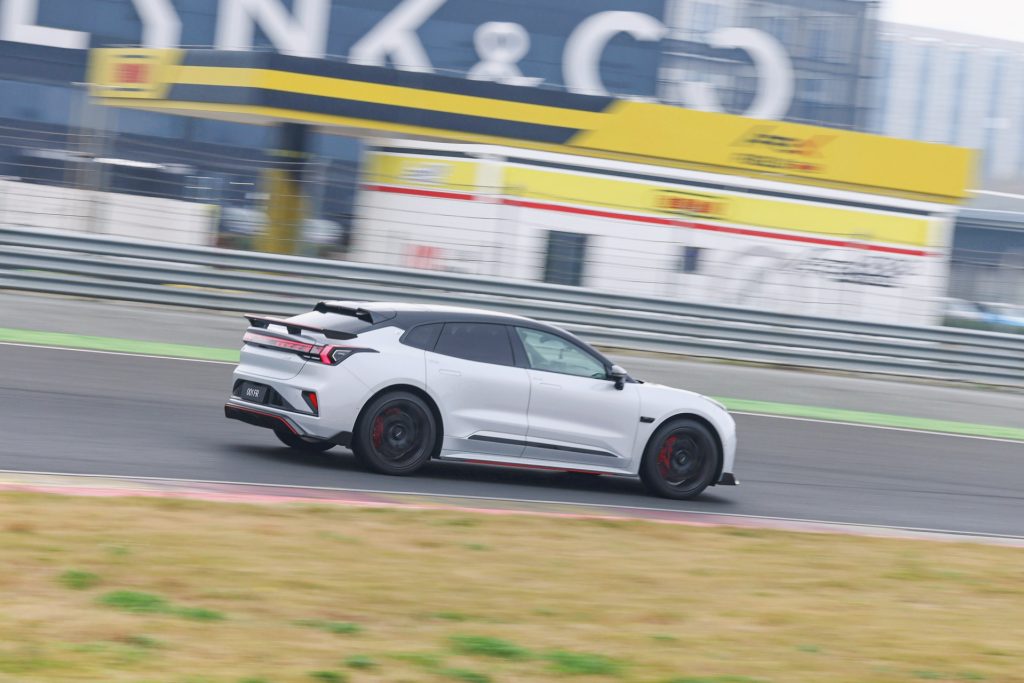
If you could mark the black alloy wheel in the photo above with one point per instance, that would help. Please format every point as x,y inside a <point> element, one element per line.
<point>397,434</point>
<point>681,460</point>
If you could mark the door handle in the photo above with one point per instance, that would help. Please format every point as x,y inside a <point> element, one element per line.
<point>549,385</point>
<point>446,371</point>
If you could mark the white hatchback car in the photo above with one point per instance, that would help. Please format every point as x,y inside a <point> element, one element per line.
<point>403,383</point>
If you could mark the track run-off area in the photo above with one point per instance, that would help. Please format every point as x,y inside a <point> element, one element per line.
<point>110,413</point>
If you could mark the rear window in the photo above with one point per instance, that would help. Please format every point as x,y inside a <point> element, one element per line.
<point>482,342</point>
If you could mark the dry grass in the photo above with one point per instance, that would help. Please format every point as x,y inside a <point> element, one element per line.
<point>448,596</point>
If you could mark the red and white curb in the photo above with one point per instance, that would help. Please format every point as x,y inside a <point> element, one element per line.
<point>100,486</point>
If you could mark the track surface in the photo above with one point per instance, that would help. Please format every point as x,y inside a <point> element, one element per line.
<point>91,413</point>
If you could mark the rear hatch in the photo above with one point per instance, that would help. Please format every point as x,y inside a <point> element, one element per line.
<point>278,348</point>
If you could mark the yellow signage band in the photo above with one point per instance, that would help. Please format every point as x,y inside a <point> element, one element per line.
<point>261,88</point>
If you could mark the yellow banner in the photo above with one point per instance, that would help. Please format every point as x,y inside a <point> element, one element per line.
<point>448,174</point>
<point>775,147</point>
<point>258,87</point>
<point>615,194</point>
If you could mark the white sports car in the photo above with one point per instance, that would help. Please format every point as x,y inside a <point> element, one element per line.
<point>400,384</point>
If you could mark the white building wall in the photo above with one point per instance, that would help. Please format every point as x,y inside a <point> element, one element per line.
<point>992,126</point>
<point>106,213</point>
<point>738,266</point>
<point>903,90</point>
<point>937,92</point>
<point>1004,156</point>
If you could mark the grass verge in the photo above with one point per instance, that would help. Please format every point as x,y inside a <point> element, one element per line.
<point>553,600</point>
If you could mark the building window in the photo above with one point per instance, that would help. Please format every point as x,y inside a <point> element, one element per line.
<point>704,17</point>
<point>689,260</point>
<point>565,258</point>
<point>923,77</point>
<point>959,95</point>
<point>817,44</point>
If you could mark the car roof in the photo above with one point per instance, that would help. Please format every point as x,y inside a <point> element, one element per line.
<point>409,310</point>
<point>407,314</point>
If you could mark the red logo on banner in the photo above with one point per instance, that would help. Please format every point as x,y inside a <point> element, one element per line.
<point>132,72</point>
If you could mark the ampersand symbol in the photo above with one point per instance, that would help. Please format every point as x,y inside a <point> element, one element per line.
<point>500,45</point>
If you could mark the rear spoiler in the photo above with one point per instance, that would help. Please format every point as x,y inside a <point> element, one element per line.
<point>263,322</point>
<point>354,309</point>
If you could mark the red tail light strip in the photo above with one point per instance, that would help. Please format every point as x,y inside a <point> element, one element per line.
<point>277,342</point>
<point>327,354</point>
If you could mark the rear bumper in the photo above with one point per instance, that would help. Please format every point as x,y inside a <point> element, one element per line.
<point>261,418</point>
<point>728,479</point>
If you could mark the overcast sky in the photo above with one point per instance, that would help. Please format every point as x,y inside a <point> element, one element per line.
<point>999,18</point>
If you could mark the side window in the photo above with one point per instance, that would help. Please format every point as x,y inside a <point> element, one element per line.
<point>422,336</point>
<point>552,353</point>
<point>482,342</point>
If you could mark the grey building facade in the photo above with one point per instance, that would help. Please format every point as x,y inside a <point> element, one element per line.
<point>829,46</point>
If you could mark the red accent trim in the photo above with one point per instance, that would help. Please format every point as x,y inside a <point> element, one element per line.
<point>286,344</point>
<point>747,232</point>
<point>523,466</point>
<point>419,192</point>
<point>656,220</point>
<point>280,419</point>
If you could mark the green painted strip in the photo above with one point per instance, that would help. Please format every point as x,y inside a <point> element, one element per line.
<point>77,341</point>
<point>874,419</point>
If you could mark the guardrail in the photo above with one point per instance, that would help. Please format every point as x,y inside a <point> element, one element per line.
<point>202,277</point>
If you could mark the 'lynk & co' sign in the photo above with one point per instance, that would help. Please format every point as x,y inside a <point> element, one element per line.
<point>586,46</point>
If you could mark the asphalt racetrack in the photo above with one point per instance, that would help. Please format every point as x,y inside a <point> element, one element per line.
<point>67,411</point>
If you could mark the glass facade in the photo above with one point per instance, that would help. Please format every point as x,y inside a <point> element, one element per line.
<point>829,44</point>
<point>958,89</point>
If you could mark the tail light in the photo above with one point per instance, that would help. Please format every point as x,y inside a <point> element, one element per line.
<point>332,355</point>
<point>327,354</point>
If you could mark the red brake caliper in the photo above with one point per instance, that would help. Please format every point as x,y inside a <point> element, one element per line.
<point>377,435</point>
<point>665,455</point>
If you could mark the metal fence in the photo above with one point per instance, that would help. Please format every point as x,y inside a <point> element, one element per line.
<point>202,277</point>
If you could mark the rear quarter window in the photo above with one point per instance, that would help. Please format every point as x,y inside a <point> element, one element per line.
<point>422,336</point>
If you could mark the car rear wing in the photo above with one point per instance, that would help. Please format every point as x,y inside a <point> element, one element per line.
<point>263,322</point>
<point>354,309</point>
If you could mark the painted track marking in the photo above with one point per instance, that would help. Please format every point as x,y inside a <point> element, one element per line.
<point>733,412</point>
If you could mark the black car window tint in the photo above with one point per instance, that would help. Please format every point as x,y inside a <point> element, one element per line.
<point>482,342</point>
<point>422,336</point>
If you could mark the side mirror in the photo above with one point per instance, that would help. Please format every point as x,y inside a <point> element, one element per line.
<point>619,375</point>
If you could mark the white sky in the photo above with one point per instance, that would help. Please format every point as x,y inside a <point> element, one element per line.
<point>997,18</point>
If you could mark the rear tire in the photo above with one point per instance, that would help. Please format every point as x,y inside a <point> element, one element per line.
<point>303,445</point>
<point>396,434</point>
<point>680,460</point>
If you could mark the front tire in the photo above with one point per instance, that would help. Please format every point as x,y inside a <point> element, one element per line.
<point>301,444</point>
<point>680,460</point>
<point>396,434</point>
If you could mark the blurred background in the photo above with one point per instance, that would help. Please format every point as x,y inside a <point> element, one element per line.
<point>69,163</point>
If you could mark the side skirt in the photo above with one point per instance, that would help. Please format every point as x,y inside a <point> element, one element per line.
<point>526,463</point>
